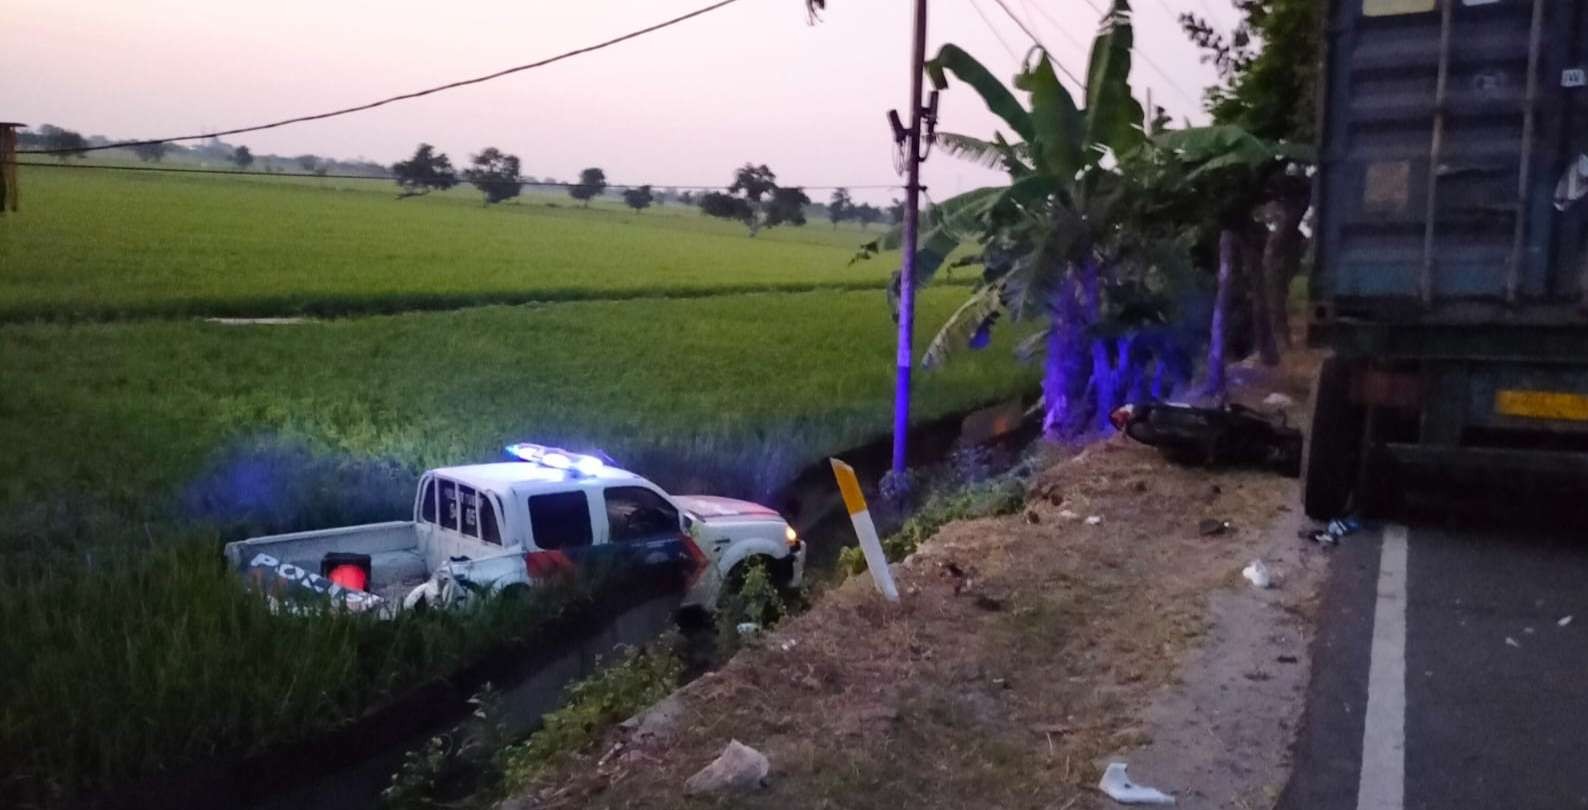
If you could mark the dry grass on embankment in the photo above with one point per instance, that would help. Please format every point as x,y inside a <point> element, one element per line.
<point>1001,685</point>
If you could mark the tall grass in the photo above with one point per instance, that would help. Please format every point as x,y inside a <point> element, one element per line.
<point>127,664</point>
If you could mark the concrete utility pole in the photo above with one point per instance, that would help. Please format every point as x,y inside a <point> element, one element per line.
<point>912,215</point>
<point>8,165</point>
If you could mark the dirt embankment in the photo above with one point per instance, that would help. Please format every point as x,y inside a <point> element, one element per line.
<point>1027,652</point>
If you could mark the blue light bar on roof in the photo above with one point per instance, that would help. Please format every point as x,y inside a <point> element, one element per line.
<point>555,458</point>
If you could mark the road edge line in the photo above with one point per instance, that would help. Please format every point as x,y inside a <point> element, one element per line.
<point>1382,782</point>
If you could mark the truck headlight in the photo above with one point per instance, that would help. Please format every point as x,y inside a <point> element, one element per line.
<point>791,537</point>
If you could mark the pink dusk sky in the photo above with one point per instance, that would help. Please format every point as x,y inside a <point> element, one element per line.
<point>684,106</point>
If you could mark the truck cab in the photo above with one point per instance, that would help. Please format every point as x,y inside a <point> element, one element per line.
<point>517,523</point>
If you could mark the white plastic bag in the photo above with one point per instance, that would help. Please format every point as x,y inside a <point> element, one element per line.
<point>1116,783</point>
<point>1257,574</point>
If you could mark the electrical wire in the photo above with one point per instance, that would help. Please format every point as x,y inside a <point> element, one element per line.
<point>1137,51</point>
<point>1063,32</point>
<point>405,96</point>
<point>1038,41</point>
<point>990,27</point>
<point>1174,15</point>
<point>389,178</point>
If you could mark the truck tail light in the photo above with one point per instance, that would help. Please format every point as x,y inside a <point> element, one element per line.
<point>547,564</point>
<point>350,576</point>
<point>351,571</point>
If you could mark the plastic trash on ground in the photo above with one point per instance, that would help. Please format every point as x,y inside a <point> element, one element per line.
<point>1094,520</point>
<point>1116,783</point>
<point>1257,574</point>
<point>1330,534</point>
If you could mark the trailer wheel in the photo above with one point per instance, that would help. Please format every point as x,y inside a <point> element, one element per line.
<point>1332,449</point>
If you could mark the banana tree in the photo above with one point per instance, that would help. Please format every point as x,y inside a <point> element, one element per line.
<point>1053,245</point>
<point>1242,175</point>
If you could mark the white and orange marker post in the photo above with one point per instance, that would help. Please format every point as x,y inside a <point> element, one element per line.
<point>865,529</point>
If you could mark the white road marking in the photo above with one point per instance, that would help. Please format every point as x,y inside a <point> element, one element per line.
<point>1383,780</point>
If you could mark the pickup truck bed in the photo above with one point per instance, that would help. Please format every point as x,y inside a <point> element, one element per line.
<point>396,565</point>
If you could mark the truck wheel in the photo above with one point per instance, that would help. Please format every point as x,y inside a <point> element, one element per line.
<point>1333,445</point>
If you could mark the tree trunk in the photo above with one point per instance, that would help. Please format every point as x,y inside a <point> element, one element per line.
<point>1217,386</point>
<point>1055,384</point>
<point>1063,366</point>
<point>1139,390</point>
<point>1111,380</point>
<point>1092,285</point>
<point>1282,258</point>
<point>1259,290</point>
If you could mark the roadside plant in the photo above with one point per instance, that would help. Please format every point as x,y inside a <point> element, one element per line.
<point>637,679</point>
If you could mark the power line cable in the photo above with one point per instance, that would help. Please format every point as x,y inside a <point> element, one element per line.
<point>994,30</point>
<point>1137,51</point>
<point>405,96</point>
<point>388,178</point>
<point>1063,31</point>
<point>1038,41</point>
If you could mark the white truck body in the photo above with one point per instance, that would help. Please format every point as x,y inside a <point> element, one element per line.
<point>493,526</point>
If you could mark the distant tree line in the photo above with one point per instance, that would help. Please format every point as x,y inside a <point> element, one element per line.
<point>840,208</point>
<point>68,144</point>
<point>755,198</point>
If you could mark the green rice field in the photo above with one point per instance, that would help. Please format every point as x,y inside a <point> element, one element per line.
<point>114,244</point>
<point>112,420</point>
<point>137,435</point>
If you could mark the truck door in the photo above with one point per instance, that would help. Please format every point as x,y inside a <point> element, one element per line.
<point>561,532</point>
<point>644,529</point>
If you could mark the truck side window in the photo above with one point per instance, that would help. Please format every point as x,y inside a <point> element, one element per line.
<point>427,506</point>
<point>637,514</point>
<point>560,520</point>
<point>449,506</point>
<point>489,532</point>
<point>469,511</point>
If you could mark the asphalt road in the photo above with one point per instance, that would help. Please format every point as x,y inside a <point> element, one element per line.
<point>1443,655</point>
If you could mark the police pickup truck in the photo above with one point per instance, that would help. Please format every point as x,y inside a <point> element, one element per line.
<point>490,527</point>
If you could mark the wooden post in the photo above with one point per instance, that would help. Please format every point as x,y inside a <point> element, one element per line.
<point>8,165</point>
